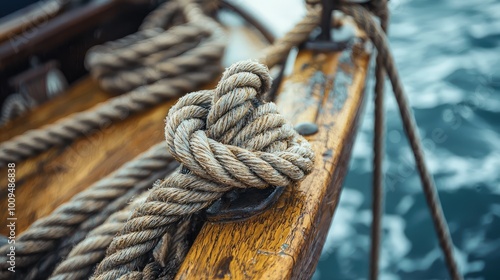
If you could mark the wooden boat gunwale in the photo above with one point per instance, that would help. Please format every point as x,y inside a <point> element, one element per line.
<point>285,242</point>
<point>86,155</point>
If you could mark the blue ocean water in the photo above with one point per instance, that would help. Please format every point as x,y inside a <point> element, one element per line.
<point>448,54</point>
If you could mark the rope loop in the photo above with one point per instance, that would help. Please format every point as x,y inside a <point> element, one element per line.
<point>212,132</point>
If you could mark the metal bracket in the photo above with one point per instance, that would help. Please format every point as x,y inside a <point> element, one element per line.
<point>241,204</point>
<point>325,42</point>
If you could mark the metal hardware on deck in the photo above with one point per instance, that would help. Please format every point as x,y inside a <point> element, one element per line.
<point>242,204</point>
<point>324,41</point>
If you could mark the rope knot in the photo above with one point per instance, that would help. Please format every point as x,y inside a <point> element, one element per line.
<point>225,138</point>
<point>229,136</point>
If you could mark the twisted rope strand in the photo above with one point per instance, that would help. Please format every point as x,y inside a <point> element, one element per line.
<point>378,151</point>
<point>279,50</point>
<point>86,254</point>
<point>364,20</point>
<point>194,127</point>
<point>47,264</point>
<point>38,140</point>
<point>181,74</point>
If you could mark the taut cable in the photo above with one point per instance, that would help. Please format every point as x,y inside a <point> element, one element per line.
<point>154,76</point>
<point>364,20</point>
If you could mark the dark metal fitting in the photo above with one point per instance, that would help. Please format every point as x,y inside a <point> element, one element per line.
<point>324,42</point>
<point>306,128</point>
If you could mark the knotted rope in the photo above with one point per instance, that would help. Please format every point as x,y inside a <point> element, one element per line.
<point>274,54</point>
<point>153,62</point>
<point>226,138</point>
<point>180,67</point>
<point>193,189</point>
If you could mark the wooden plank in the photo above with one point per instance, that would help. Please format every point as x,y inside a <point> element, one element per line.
<point>285,242</point>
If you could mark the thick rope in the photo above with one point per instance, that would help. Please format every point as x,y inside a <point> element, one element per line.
<point>363,18</point>
<point>275,54</point>
<point>82,259</point>
<point>87,225</point>
<point>36,141</point>
<point>152,54</point>
<point>213,134</point>
<point>278,51</point>
<point>296,36</point>
<point>50,260</point>
<point>171,251</point>
<point>378,152</point>
<point>90,207</point>
<point>188,67</point>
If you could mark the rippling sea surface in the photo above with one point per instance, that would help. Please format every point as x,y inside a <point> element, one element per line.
<point>448,54</point>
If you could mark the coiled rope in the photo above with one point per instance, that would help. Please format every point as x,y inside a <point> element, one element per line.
<point>213,134</point>
<point>152,54</point>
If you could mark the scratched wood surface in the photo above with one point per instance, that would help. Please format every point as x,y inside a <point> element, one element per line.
<point>285,242</point>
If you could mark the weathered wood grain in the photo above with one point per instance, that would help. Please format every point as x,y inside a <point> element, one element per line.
<point>285,242</point>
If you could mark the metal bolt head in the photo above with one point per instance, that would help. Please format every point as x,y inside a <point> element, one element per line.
<point>306,128</point>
